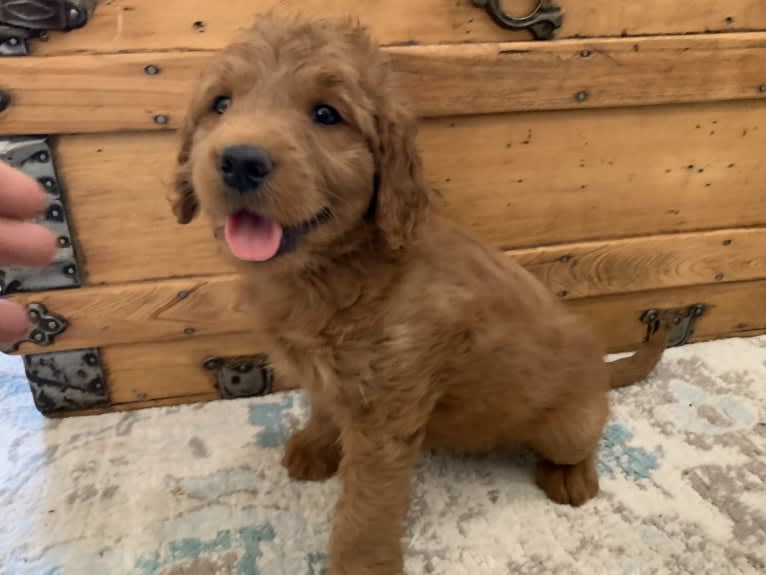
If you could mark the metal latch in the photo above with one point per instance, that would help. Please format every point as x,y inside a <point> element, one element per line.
<point>241,376</point>
<point>681,320</point>
<point>33,156</point>
<point>543,21</point>
<point>67,381</point>
<point>24,19</point>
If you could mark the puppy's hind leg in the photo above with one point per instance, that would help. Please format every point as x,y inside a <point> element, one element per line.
<point>566,442</point>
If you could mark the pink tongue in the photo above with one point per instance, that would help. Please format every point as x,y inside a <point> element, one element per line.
<point>253,238</point>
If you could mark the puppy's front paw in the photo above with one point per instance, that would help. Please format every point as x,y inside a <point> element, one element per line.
<point>311,458</point>
<point>568,484</point>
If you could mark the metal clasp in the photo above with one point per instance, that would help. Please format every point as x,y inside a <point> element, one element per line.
<point>681,320</point>
<point>241,376</point>
<point>542,22</point>
<point>23,19</point>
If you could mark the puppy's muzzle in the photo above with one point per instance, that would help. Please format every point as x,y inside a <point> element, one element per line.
<point>245,168</point>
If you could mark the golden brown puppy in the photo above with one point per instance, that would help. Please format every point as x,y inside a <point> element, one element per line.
<point>404,331</point>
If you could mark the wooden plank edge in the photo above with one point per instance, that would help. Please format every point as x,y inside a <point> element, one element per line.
<point>203,398</point>
<point>648,263</point>
<point>143,24</point>
<point>454,80</point>
<point>182,309</point>
<point>589,268</point>
<point>120,407</point>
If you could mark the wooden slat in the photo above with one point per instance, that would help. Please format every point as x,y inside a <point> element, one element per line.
<point>162,370</point>
<point>556,177</point>
<point>491,78</point>
<point>515,180</point>
<point>123,25</point>
<point>210,396</point>
<point>150,374</point>
<point>734,310</point>
<point>145,312</point>
<point>599,268</point>
<point>85,93</point>
<point>174,309</point>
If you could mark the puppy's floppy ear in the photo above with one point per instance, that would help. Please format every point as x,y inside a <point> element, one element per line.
<point>402,197</point>
<point>183,199</point>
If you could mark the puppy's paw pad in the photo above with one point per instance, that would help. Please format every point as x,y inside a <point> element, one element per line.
<point>307,459</point>
<point>568,484</point>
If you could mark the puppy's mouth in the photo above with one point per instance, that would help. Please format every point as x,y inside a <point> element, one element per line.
<point>254,237</point>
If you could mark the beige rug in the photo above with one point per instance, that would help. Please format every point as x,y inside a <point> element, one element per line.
<point>198,490</point>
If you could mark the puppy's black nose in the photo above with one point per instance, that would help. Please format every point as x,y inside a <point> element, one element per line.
<point>245,168</point>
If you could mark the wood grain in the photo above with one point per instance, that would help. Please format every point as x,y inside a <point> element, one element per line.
<point>86,93</point>
<point>131,25</point>
<point>185,309</point>
<point>186,398</point>
<point>515,181</point>
<point>170,373</point>
<point>600,268</point>
<point>734,310</point>
<point>145,312</point>
<point>153,371</point>
<point>151,374</point>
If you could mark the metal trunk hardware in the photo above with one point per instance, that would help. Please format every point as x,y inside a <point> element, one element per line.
<point>67,381</point>
<point>543,21</point>
<point>23,19</point>
<point>34,157</point>
<point>682,320</point>
<point>241,376</point>
<point>44,329</point>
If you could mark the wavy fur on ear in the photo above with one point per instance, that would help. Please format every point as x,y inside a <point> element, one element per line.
<point>402,196</point>
<point>183,199</point>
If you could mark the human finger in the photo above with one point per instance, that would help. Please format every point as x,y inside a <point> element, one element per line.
<point>14,322</point>
<point>25,244</point>
<point>21,197</point>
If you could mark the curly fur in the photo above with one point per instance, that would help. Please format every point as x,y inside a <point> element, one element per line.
<point>404,331</point>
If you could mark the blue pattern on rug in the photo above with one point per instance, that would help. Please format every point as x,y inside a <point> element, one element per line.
<point>270,417</point>
<point>616,456</point>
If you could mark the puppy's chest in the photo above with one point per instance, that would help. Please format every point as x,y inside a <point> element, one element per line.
<point>332,361</point>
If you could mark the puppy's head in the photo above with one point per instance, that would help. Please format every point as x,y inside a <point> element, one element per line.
<point>297,142</point>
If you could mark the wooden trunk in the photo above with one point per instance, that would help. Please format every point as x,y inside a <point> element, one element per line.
<point>621,160</point>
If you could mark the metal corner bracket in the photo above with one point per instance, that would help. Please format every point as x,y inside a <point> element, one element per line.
<point>33,156</point>
<point>237,377</point>
<point>67,381</point>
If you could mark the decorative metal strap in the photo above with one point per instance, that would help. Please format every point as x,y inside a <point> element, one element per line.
<point>45,326</point>
<point>34,157</point>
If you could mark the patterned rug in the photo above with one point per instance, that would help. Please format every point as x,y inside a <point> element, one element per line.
<point>198,490</point>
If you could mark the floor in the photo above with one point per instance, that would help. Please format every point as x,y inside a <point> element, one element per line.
<point>198,490</point>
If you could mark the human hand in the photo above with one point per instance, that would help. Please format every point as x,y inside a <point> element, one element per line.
<point>21,243</point>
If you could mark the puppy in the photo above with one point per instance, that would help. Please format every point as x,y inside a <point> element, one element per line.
<point>404,331</point>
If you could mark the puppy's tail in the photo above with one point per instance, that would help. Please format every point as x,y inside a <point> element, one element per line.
<point>630,370</point>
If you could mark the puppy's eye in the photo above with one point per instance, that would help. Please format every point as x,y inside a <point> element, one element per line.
<point>326,115</point>
<point>221,104</point>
